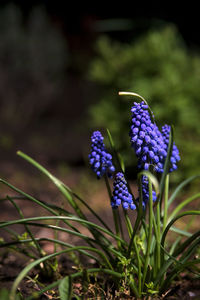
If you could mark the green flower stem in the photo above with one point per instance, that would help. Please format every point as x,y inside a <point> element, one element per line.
<point>122,168</point>
<point>138,219</point>
<point>158,235</point>
<point>166,165</point>
<point>128,223</point>
<point>149,238</point>
<point>137,223</point>
<point>166,194</point>
<point>115,212</point>
<point>157,238</point>
<point>139,267</point>
<point>120,162</point>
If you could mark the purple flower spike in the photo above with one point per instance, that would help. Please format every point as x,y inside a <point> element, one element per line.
<point>100,160</point>
<point>175,157</point>
<point>149,143</point>
<point>145,192</point>
<point>121,195</point>
<point>146,139</point>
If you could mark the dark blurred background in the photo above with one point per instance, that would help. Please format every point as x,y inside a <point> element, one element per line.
<point>62,65</point>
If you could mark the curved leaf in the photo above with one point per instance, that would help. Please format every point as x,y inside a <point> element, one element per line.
<point>183,204</point>
<point>9,244</point>
<point>76,219</point>
<point>187,213</point>
<point>65,288</point>
<point>180,187</point>
<point>141,98</point>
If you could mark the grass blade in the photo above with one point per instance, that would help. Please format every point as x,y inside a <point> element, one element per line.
<point>31,198</point>
<point>186,243</point>
<point>183,204</point>
<point>76,219</point>
<point>43,239</point>
<point>56,181</point>
<point>187,213</point>
<point>40,251</point>
<point>180,187</point>
<point>65,288</point>
<point>175,272</point>
<point>180,231</point>
<point>89,208</point>
<point>65,191</point>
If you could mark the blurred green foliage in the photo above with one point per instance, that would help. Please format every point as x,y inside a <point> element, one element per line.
<point>159,67</point>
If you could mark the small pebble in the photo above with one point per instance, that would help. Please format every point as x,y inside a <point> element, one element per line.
<point>191,294</point>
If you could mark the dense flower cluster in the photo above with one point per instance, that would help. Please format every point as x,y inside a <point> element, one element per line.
<point>149,143</point>
<point>100,160</point>
<point>146,139</point>
<point>175,157</point>
<point>121,195</point>
<point>145,192</point>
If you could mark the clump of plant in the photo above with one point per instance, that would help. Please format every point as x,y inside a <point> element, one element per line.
<point>159,65</point>
<point>138,259</point>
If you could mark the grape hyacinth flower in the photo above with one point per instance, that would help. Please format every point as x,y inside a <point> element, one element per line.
<point>100,160</point>
<point>149,143</point>
<point>145,192</point>
<point>121,195</point>
<point>175,157</point>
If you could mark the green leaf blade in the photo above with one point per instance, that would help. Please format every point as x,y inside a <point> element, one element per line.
<point>65,288</point>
